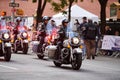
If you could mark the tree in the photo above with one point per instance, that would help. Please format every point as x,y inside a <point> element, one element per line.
<point>103,4</point>
<point>59,6</point>
<point>40,9</point>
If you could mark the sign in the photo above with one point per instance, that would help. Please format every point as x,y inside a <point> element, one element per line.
<point>14,4</point>
<point>19,12</point>
<point>111,42</point>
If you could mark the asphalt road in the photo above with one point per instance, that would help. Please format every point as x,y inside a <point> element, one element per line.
<point>29,67</point>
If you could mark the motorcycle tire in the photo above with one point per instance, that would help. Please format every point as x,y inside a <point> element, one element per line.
<point>1,53</point>
<point>40,56</point>
<point>25,48</point>
<point>7,55</point>
<point>13,48</point>
<point>58,64</point>
<point>77,61</point>
<point>15,51</point>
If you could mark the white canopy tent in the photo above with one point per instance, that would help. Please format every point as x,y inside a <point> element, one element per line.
<point>76,13</point>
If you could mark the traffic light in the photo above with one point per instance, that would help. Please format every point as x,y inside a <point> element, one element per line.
<point>34,1</point>
<point>3,13</point>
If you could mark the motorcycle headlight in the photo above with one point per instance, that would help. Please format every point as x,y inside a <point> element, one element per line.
<point>24,34</point>
<point>75,40</point>
<point>6,35</point>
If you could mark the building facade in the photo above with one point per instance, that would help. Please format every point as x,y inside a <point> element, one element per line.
<point>30,8</point>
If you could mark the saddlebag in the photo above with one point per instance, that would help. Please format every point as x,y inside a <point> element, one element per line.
<point>50,50</point>
<point>35,46</point>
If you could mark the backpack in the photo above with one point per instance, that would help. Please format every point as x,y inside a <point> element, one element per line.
<point>91,31</point>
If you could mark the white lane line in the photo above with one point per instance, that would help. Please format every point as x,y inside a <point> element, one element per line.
<point>9,67</point>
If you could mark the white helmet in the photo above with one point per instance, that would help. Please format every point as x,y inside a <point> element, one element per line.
<point>2,17</point>
<point>18,18</point>
<point>45,18</point>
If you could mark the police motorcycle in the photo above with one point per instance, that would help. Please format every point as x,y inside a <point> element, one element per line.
<point>22,41</point>
<point>71,52</point>
<point>5,41</point>
<point>44,38</point>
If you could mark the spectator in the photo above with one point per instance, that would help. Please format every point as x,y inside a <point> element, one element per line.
<point>77,24</point>
<point>117,33</point>
<point>108,30</point>
<point>90,36</point>
<point>81,29</point>
<point>97,37</point>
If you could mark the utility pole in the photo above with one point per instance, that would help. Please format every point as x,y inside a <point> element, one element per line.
<point>13,5</point>
<point>13,11</point>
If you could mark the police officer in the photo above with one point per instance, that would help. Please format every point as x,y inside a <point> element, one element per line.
<point>62,33</point>
<point>15,30</point>
<point>42,27</point>
<point>63,30</point>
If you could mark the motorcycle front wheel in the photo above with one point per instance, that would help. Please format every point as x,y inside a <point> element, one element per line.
<point>7,55</point>
<point>25,48</point>
<point>40,56</point>
<point>77,61</point>
<point>58,64</point>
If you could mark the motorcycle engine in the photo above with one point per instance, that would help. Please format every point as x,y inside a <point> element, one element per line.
<point>65,53</point>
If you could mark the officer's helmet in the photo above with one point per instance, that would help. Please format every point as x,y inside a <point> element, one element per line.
<point>45,18</point>
<point>18,19</point>
<point>64,21</point>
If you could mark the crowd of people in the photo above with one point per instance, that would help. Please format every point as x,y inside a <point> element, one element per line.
<point>94,44</point>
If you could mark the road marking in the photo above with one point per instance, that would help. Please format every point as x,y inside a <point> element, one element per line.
<point>9,67</point>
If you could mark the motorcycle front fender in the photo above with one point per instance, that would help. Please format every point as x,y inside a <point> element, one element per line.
<point>77,51</point>
<point>8,44</point>
<point>25,41</point>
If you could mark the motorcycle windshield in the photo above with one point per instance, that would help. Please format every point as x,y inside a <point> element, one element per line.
<point>21,29</point>
<point>3,25</point>
<point>70,32</point>
<point>49,28</point>
<point>4,31</point>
